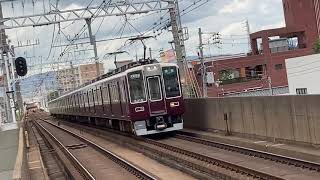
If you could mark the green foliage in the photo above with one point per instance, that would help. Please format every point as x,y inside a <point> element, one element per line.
<point>226,75</point>
<point>316,47</point>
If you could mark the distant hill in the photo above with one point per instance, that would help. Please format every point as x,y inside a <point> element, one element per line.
<point>33,83</point>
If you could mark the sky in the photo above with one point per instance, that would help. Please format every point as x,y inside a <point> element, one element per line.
<point>224,16</point>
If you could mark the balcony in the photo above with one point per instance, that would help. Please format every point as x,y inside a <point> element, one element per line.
<point>240,80</point>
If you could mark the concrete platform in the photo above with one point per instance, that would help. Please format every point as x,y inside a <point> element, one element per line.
<point>308,153</point>
<point>9,142</point>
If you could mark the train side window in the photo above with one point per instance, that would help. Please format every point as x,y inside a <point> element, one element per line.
<point>84,98</point>
<point>78,99</point>
<point>116,92</point>
<point>93,97</point>
<point>81,100</point>
<point>101,95</point>
<point>123,92</point>
<point>71,102</point>
<point>98,95</point>
<point>106,98</point>
<point>119,91</point>
<point>89,98</point>
<point>111,93</point>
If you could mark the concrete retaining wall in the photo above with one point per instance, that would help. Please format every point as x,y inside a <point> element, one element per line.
<point>293,118</point>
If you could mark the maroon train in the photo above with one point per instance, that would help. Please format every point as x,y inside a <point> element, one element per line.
<point>141,99</point>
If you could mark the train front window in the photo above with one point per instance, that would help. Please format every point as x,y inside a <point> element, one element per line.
<point>154,88</point>
<point>136,85</point>
<point>171,81</point>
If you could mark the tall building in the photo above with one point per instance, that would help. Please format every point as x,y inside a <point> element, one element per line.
<point>73,77</point>
<point>88,72</point>
<point>263,71</point>
<point>68,79</point>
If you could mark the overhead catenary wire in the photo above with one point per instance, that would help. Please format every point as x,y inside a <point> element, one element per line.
<point>67,48</point>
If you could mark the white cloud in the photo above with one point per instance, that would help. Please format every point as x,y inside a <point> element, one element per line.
<point>216,16</point>
<point>235,6</point>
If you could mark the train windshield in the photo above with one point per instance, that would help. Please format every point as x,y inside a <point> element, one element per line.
<point>137,90</point>
<point>154,88</point>
<point>171,81</point>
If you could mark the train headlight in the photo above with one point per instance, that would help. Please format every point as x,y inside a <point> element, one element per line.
<point>152,68</point>
<point>174,104</point>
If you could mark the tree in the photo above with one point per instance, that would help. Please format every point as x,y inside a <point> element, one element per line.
<point>316,47</point>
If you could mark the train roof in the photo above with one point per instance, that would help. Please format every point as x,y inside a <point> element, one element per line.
<point>112,75</point>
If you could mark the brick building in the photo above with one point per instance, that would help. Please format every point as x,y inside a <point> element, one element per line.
<point>264,68</point>
<point>88,72</point>
<point>73,77</point>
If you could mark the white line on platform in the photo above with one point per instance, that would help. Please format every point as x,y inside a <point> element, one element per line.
<point>257,142</point>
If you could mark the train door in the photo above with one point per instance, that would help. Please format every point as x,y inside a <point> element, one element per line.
<point>123,97</point>
<point>120,95</point>
<point>156,101</point>
<point>115,107</point>
<point>106,100</point>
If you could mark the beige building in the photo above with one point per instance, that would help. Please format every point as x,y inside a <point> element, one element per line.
<point>88,72</point>
<point>68,79</point>
<point>71,78</point>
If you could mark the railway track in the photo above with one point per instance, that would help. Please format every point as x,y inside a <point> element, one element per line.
<point>175,152</point>
<point>313,166</point>
<point>85,148</point>
<point>207,166</point>
<point>52,164</point>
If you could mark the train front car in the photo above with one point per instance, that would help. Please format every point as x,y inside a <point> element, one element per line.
<point>156,101</point>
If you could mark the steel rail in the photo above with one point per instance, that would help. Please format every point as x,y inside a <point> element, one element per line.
<point>141,174</point>
<point>216,162</point>
<point>251,152</point>
<point>81,169</point>
<point>221,163</point>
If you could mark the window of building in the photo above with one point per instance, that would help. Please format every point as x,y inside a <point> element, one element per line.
<point>279,66</point>
<point>301,91</point>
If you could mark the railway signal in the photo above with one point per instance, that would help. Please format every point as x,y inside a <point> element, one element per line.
<point>21,66</point>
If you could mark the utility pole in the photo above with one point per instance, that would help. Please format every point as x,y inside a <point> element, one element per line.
<point>203,68</point>
<point>248,33</point>
<point>4,48</point>
<point>216,40</point>
<point>93,42</point>
<point>150,51</point>
<point>178,41</point>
